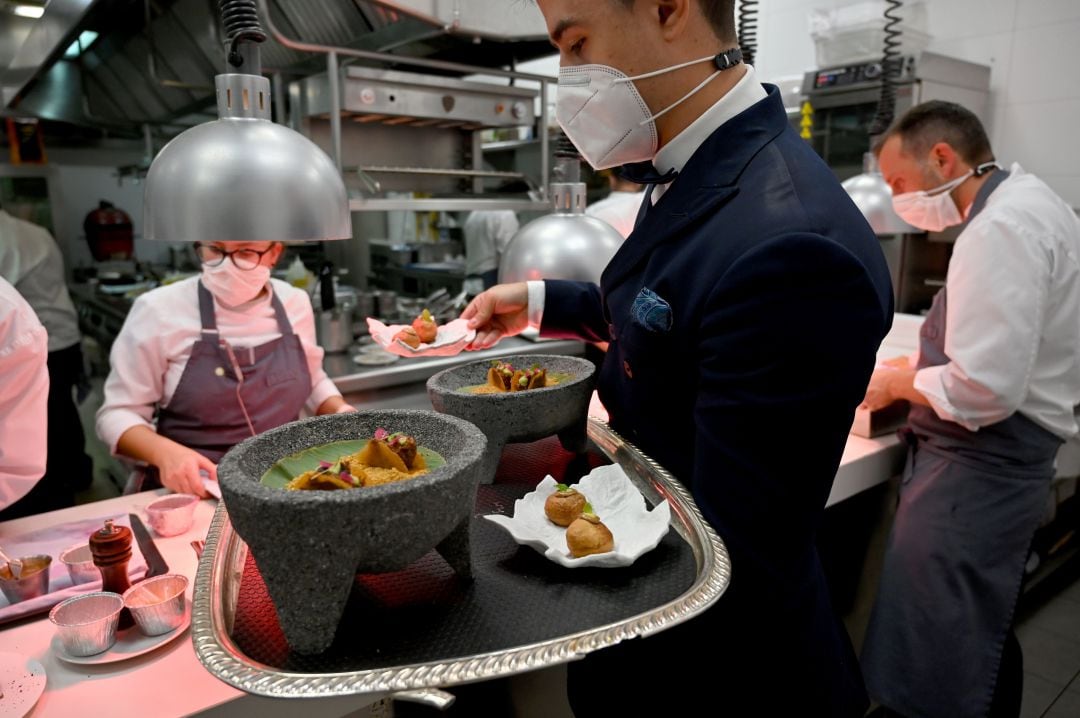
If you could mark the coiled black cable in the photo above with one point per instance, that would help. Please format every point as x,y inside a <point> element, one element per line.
<point>891,64</point>
<point>748,25</point>
<point>241,21</point>
<point>564,148</point>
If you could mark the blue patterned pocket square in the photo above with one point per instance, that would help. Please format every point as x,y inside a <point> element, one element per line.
<point>651,311</point>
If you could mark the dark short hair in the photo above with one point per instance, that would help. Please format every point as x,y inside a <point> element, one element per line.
<point>719,13</point>
<point>925,125</point>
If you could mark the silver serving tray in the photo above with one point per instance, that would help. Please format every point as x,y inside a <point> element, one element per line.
<point>221,566</point>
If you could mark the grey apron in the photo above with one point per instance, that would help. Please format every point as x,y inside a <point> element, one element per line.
<point>223,388</point>
<point>969,506</point>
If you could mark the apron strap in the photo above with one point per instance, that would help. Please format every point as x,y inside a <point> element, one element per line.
<point>206,310</point>
<point>284,325</point>
<point>991,184</point>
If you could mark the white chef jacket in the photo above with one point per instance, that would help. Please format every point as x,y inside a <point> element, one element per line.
<point>487,235</point>
<point>24,396</point>
<point>1013,313</point>
<point>619,209</point>
<point>746,93</point>
<point>31,260</point>
<point>152,350</point>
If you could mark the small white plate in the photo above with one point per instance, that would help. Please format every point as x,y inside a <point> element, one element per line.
<point>636,529</point>
<point>130,642</point>
<point>23,681</point>
<point>450,339</point>
<point>375,358</point>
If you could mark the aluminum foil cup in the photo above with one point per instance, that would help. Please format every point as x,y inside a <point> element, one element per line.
<point>172,515</point>
<point>32,582</point>
<point>87,624</point>
<point>157,603</point>
<point>80,564</point>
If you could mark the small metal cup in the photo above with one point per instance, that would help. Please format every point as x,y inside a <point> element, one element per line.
<point>172,515</point>
<point>157,603</point>
<point>32,582</point>
<point>80,564</point>
<point>87,624</point>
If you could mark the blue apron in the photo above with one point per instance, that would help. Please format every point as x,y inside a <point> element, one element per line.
<point>969,506</point>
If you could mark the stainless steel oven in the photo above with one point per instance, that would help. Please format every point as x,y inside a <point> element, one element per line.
<point>844,100</point>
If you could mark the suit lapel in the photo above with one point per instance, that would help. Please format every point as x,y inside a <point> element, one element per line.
<point>709,179</point>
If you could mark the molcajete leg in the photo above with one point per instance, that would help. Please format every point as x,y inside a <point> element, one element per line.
<point>574,438</point>
<point>455,548</point>
<point>309,591</point>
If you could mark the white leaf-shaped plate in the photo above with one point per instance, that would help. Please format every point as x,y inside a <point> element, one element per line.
<point>617,502</point>
<point>450,339</point>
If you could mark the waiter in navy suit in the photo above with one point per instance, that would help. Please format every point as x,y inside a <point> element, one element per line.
<point>743,315</point>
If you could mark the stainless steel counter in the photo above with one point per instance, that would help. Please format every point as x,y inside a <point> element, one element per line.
<point>354,380</point>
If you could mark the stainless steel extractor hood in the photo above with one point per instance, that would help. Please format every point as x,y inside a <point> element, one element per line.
<point>153,61</point>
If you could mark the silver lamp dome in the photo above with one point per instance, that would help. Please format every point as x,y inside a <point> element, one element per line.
<point>244,178</point>
<point>872,195</point>
<point>566,244</point>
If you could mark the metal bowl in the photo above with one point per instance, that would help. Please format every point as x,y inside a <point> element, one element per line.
<point>32,582</point>
<point>158,603</point>
<point>522,415</point>
<point>309,545</point>
<point>172,515</point>
<point>80,564</point>
<point>87,624</point>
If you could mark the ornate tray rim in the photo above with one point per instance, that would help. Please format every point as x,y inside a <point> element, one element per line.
<point>217,584</point>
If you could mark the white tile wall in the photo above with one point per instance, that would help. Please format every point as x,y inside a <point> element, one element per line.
<point>1032,46</point>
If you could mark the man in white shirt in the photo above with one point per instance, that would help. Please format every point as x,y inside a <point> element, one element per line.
<point>31,261</point>
<point>993,391</point>
<point>24,392</point>
<point>620,207</point>
<point>487,235</point>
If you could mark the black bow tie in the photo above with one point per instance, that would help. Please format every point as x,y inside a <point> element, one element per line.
<point>645,173</point>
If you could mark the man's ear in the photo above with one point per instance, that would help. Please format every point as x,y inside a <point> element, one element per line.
<point>944,158</point>
<point>673,16</point>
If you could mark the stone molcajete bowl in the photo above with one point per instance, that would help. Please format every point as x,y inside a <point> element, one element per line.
<point>522,415</point>
<point>309,545</point>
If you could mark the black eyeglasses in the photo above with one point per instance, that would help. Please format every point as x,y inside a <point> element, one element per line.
<point>245,259</point>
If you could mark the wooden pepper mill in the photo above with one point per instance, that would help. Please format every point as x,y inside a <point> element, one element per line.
<point>111,549</point>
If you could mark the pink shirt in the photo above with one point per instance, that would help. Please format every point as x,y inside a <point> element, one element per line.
<point>24,396</point>
<point>152,350</point>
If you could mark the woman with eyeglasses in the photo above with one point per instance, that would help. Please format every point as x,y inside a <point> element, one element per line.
<point>202,364</point>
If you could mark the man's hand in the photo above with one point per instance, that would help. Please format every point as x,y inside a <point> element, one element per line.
<point>499,312</point>
<point>890,383</point>
<point>179,467</point>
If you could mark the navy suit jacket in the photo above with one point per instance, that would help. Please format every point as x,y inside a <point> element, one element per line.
<point>779,296</point>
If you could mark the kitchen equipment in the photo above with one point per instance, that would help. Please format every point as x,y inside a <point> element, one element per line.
<point>172,515</point>
<point>32,581</point>
<point>566,244</point>
<point>109,233</point>
<point>333,326</point>
<point>158,604</point>
<point>844,100</point>
<point>111,548</point>
<point>87,624</point>
<point>80,564</point>
<point>236,178</point>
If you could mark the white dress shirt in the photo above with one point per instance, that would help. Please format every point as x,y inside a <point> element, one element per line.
<point>487,235</point>
<point>24,396</point>
<point>31,260</point>
<point>746,93</point>
<point>1013,314</point>
<point>619,209</point>
<point>152,350</point>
